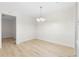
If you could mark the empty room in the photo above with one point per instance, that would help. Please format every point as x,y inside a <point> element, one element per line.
<point>37,29</point>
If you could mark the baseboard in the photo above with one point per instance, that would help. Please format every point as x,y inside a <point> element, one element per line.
<point>19,42</point>
<point>56,43</point>
<point>8,38</point>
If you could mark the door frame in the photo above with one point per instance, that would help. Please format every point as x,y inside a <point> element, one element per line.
<point>1,27</point>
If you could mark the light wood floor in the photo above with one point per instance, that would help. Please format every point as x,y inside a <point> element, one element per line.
<point>34,48</point>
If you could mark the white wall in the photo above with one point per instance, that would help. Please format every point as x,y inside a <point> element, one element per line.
<point>58,28</point>
<point>13,28</point>
<point>77,31</point>
<point>0,33</point>
<point>25,28</point>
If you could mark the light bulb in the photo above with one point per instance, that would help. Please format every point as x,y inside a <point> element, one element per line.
<point>38,20</point>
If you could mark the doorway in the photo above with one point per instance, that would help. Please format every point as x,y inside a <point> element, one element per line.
<point>8,30</point>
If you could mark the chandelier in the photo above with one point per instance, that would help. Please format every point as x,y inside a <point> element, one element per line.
<point>40,18</point>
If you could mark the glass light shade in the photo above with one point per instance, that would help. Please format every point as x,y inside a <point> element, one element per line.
<point>40,19</point>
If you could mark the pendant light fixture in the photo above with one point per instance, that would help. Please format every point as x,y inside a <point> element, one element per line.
<point>40,18</point>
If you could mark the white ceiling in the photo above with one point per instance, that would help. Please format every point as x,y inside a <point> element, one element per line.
<point>32,8</point>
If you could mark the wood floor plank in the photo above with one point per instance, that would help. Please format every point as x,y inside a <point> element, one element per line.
<point>34,48</point>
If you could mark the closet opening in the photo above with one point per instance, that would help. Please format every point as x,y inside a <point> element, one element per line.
<point>8,30</point>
